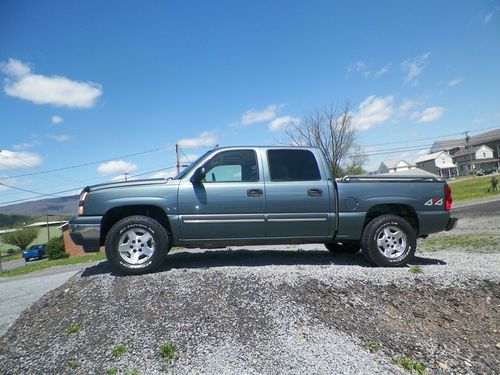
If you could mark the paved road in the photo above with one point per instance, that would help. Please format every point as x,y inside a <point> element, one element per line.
<point>489,208</point>
<point>18,293</point>
<point>12,264</point>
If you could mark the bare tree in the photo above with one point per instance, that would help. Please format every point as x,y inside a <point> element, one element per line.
<point>356,159</point>
<point>328,129</point>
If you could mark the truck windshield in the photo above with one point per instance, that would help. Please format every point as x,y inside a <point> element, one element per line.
<point>190,166</point>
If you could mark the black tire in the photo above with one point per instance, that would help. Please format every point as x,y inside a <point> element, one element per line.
<point>403,248</point>
<point>341,247</point>
<point>158,239</point>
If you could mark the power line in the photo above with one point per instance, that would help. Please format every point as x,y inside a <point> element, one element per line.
<point>26,190</point>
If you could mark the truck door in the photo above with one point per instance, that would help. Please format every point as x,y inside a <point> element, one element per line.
<point>229,203</point>
<point>297,196</point>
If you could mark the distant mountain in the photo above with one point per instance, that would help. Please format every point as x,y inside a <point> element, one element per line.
<point>54,206</point>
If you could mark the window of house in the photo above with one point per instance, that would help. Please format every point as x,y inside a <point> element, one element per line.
<point>293,165</point>
<point>232,166</point>
<point>484,154</point>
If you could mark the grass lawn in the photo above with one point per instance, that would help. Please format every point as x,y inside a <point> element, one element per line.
<point>31,267</point>
<point>480,243</point>
<point>15,256</point>
<point>472,188</point>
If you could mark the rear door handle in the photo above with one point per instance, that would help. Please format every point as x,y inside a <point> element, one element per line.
<point>314,192</point>
<point>255,192</point>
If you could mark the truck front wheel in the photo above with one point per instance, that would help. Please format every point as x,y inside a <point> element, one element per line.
<point>389,241</point>
<point>136,245</point>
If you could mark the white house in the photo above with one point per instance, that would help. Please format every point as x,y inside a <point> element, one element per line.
<point>482,157</point>
<point>439,163</point>
<point>391,166</point>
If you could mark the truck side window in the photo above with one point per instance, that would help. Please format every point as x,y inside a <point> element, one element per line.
<point>293,165</point>
<point>232,166</point>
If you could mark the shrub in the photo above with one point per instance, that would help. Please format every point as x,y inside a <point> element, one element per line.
<point>55,248</point>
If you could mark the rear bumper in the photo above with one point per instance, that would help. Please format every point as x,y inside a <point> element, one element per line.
<point>85,231</point>
<point>452,223</point>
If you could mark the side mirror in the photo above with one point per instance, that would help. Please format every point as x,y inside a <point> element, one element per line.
<point>198,175</point>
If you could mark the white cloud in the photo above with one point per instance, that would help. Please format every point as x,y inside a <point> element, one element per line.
<point>281,123</point>
<point>16,160</point>
<point>358,66</point>
<point>428,115</point>
<point>22,146</point>
<point>455,82</point>
<point>56,120</point>
<point>487,18</point>
<point>382,71</point>
<point>7,181</point>
<point>404,108</point>
<point>54,90</point>
<point>205,139</point>
<point>59,137</point>
<point>479,120</point>
<point>253,116</point>
<point>414,67</point>
<point>373,111</point>
<point>116,166</point>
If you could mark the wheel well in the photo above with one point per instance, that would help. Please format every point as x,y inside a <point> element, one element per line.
<point>114,215</point>
<point>401,210</point>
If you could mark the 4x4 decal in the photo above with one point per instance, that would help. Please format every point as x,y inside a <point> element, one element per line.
<point>434,202</point>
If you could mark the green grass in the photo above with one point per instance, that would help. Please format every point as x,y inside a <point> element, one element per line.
<point>472,188</point>
<point>480,243</point>
<point>132,372</point>
<point>410,365</point>
<point>415,269</point>
<point>119,350</point>
<point>8,258</point>
<point>72,365</point>
<point>31,267</point>
<point>372,346</point>
<point>112,371</point>
<point>166,352</point>
<point>73,328</point>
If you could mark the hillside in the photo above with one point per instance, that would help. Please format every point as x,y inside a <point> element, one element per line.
<point>54,206</point>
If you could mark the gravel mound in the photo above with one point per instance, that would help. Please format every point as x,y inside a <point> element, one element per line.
<point>253,312</point>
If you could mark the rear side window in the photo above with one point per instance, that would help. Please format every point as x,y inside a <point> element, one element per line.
<point>293,165</point>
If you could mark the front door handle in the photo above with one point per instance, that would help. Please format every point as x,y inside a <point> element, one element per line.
<point>314,192</point>
<point>255,192</point>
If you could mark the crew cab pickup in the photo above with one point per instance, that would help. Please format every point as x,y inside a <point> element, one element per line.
<point>256,196</point>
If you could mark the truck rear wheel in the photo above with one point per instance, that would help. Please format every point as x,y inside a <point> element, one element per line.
<point>389,241</point>
<point>341,247</point>
<point>137,245</point>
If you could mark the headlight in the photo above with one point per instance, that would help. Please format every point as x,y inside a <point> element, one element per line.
<point>83,196</point>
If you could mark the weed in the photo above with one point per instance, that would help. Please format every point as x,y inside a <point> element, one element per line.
<point>132,372</point>
<point>166,352</point>
<point>73,328</point>
<point>415,269</point>
<point>72,365</point>
<point>410,365</point>
<point>112,371</point>
<point>371,345</point>
<point>119,350</point>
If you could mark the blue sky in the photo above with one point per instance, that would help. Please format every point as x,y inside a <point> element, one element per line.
<point>96,81</point>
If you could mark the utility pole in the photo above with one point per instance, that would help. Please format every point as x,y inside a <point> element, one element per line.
<point>178,164</point>
<point>467,138</point>
<point>48,231</point>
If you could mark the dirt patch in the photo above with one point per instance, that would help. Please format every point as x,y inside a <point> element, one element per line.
<point>449,329</point>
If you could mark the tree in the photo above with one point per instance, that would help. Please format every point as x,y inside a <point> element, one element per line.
<point>330,130</point>
<point>356,160</point>
<point>21,237</point>
<point>55,248</point>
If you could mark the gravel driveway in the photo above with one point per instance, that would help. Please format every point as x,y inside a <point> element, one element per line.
<point>271,310</point>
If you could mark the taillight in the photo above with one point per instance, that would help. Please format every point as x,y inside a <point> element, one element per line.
<point>447,198</point>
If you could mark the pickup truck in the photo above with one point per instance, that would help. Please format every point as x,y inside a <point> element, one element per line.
<point>258,196</point>
<point>34,252</point>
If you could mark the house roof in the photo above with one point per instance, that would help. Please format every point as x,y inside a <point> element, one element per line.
<point>465,151</point>
<point>475,140</point>
<point>432,156</point>
<point>394,163</point>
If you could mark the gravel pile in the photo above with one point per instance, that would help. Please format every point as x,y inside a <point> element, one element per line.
<point>253,312</point>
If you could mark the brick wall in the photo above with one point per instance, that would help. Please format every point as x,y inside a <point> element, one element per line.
<point>70,247</point>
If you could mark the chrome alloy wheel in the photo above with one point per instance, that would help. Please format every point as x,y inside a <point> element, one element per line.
<point>391,241</point>
<point>136,246</point>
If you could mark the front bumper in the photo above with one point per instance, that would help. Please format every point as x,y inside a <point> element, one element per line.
<point>86,232</point>
<point>452,223</point>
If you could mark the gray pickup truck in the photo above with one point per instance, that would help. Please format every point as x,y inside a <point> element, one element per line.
<point>258,196</point>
